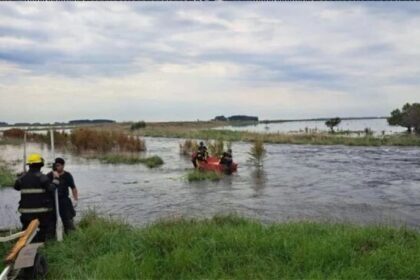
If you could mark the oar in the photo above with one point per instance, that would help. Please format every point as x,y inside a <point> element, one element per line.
<point>59,224</point>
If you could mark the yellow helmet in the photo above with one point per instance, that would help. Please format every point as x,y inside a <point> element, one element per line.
<point>34,158</point>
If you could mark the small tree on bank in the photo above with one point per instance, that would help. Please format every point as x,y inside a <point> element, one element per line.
<point>331,123</point>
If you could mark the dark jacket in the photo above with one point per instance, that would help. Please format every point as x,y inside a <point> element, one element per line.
<point>36,192</point>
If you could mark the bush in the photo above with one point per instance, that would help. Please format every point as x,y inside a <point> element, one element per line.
<point>138,125</point>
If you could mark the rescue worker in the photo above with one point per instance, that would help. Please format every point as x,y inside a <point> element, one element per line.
<point>37,198</point>
<point>66,207</point>
<point>227,159</point>
<point>201,154</point>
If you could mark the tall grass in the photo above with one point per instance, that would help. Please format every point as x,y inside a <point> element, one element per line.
<point>233,248</point>
<point>188,147</point>
<point>84,139</point>
<point>198,175</point>
<point>151,162</point>
<point>284,138</point>
<point>257,153</point>
<point>7,177</point>
<point>216,148</point>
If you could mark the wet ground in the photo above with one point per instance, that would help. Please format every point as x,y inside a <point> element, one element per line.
<point>334,183</point>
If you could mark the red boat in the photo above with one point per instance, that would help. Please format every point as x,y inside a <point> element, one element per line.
<point>212,164</point>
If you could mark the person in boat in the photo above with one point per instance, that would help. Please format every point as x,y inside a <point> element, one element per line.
<point>67,212</point>
<point>227,159</point>
<point>37,198</point>
<point>201,154</point>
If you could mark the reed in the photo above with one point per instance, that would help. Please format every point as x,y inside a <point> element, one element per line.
<point>216,148</point>
<point>151,162</point>
<point>104,141</point>
<point>257,153</point>
<point>188,147</point>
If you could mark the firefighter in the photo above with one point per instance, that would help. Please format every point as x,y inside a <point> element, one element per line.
<point>37,198</point>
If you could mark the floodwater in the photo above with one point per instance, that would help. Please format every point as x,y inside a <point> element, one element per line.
<point>377,126</point>
<point>328,183</point>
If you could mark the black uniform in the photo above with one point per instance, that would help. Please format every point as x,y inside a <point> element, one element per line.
<point>37,202</point>
<point>226,159</point>
<point>201,155</point>
<point>67,212</point>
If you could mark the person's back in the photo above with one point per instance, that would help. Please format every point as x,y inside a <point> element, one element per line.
<point>37,199</point>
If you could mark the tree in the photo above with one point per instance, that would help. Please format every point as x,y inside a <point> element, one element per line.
<point>331,123</point>
<point>413,117</point>
<point>408,117</point>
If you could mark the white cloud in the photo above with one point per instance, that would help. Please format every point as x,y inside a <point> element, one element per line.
<point>274,60</point>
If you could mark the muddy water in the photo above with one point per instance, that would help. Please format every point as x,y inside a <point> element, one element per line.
<point>333,183</point>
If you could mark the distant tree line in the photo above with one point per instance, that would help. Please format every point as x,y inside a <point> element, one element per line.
<point>72,122</point>
<point>408,117</point>
<point>237,118</point>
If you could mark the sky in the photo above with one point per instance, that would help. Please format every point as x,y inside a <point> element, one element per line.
<point>177,61</point>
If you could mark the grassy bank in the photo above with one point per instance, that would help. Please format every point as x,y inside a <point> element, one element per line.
<point>197,175</point>
<point>151,162</point>
<point>281,138</point>
<point>232,247</point>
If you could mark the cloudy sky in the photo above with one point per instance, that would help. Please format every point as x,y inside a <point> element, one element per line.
<point>188,61</point>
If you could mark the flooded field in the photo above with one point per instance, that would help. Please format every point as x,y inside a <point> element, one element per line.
<point>333,183</point>
<point>377,126</point>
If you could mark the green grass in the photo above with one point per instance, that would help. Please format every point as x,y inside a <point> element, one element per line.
<point>151,162</point>
<point>7,178</point>
<point>233,248</point>
<point>197,175</point>
<point>282,138</point>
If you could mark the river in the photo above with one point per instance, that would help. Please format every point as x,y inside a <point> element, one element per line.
<point>363,185</point>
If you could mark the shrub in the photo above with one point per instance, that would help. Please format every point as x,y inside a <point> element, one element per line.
<point>138,125</point>
<point>257,153</point>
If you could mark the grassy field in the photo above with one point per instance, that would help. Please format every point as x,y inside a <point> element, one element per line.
<point>233,248</point>
<point>197,132</point>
